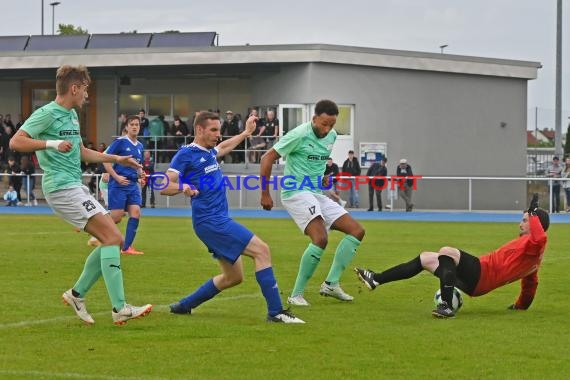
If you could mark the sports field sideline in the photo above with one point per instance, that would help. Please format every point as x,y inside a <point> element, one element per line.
<point>418,216</point>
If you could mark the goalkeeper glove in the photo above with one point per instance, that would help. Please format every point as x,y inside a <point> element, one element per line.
<point>533,206</point>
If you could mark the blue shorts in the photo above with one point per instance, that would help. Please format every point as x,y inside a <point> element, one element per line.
<point>224,238</point>
<point>123,196</point>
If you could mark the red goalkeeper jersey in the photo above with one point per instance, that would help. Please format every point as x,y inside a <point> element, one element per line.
<point>519,259</point>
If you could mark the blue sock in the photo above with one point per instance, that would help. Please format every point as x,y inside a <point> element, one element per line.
<point>132,226</point>
<point>268,285</point>
<point>205,292</point>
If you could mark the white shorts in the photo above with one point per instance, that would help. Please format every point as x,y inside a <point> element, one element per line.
<point>76,205</point>
<point>306,206</point>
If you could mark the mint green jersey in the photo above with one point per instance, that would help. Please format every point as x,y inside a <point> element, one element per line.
<point>306,157</point>
<point>54,122</point>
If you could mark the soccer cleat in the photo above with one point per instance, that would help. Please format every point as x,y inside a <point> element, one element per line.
<point>367,277</point>
<point>78,305</point>
<point>130,312</point>
<point>297,300</point>
<point>284,316</point>
<point>177,308</point>
<point>443,311</point>
<point>334,291</point>
<point>93,242</point>
<point>131,251</point>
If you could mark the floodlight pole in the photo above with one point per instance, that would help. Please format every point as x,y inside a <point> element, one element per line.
<point>442,47</point>
<point>53,5</point>
<point>558,107</point>
<point>42,17</point>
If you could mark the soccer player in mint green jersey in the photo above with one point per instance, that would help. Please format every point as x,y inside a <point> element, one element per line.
<point>52,132</point>
<point>307,147</point>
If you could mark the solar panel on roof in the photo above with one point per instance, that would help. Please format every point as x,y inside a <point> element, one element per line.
<point>77,41</point>
<point>13,43</point>
<point>119,41</point>
<point>182,39</point>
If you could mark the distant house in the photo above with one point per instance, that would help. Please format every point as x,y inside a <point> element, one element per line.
<point>549,134</point>
<point>531,140</point>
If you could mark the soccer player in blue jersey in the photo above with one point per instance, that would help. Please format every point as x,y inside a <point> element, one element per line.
<point>53,133</point>
<point>307,148</point>
<point>124,189</point>
<point>194,171</point>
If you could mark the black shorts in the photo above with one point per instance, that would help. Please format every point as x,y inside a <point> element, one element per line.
<point>468,272</point>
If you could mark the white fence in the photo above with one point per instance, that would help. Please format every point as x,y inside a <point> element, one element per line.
<point>434,193</point>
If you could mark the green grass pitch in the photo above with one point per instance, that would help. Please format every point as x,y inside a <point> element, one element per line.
<point>388,333</point>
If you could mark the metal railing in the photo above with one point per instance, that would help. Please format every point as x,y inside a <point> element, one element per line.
<point>250,150</point>
<point>468,191</point>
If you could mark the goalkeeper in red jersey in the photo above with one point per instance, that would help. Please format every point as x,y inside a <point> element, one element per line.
<point>518,259</point>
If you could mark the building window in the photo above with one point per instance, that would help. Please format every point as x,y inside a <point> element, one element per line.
<point>131,104</point>
<point>159,105</point>
<point>41,97</point>
<point>343,124</point>
<point>182,105</point>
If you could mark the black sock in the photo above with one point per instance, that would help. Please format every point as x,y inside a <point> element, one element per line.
<point>75,293</point>
<point>447,273</point>
<point>400,272</point>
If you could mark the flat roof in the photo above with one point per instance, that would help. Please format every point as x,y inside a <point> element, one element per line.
<point>272,54</point>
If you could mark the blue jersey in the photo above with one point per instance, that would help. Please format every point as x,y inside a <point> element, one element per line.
<point>197,166</point>
<point>123,146</point>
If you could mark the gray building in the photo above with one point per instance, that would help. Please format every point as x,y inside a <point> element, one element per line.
<point>448,115</point>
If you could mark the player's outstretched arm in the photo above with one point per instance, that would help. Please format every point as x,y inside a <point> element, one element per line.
<point>266,164</point>
<point>227,146</point>
<point>173,187</point>
<point>22,142</point>
<point>90,155</point>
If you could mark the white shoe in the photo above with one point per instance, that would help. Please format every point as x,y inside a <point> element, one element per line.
<point>130,312</point>
<point>78,305</point>
<point>298,300</point>
<point>342,203</point>
<point>334,291</point>
<point>35,202</point>
<point>285,316</point>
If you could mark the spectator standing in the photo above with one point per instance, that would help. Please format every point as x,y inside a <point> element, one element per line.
<point>28,169</point>
<point>566,184</point>
<point>351,167</point>
<point>15,179</point>
<point>375,186</point>
<point>332,171</point>
<point>271,124</point>
<point>406,187</point>
<point>555,171</point>
<point>144,125</point>
<point>256,142</point>
<point>179,131</point>
<point>230,128</point>
<point>156,131</point>
<point>148,169</point>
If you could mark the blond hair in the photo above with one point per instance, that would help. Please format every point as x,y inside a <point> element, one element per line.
<point>67,76</point>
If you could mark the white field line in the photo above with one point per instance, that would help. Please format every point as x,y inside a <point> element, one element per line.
<point>103,313</point>
<point>68,375</point>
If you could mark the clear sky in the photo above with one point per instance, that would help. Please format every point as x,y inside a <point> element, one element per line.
<point>510,29</point>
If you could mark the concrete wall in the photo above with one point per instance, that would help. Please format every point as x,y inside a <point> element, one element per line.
<point>10,99</point>
<point>444,124</point>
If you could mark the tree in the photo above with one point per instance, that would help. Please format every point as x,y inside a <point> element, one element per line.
<point>70,30</point>
<point>567,145</point>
